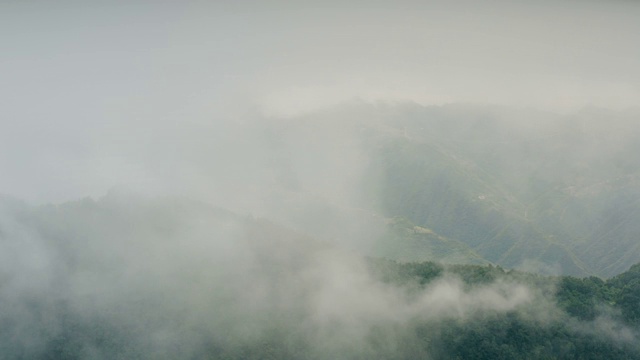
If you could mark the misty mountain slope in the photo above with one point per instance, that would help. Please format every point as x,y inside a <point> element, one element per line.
<point>129,276</point>
<point>521,188</point>
<point>462,202</point>
<point>319,180</point>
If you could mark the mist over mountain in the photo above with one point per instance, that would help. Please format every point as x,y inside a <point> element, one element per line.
<point>553,191</point>
<point>295,269</point>
<point>319,179</point>
<point>137,277</point>
<point>516,187</point>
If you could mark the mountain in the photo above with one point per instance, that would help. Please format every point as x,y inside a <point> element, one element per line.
<point>519,188</point>
<point>462,202</point>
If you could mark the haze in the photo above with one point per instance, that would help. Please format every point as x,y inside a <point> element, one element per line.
<point>205,180</point>
<point>150,95</point>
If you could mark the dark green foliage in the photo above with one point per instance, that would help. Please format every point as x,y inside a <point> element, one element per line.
<point>580,297</point>
<point>515,336</point>
<point>626,289</point>
<point>583,298</point>
<point>511,337</point>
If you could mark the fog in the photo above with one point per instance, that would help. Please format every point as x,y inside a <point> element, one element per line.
<point>130,276</point>
<point>148,277</point>
<point>96,95</point>
<point>195,178</point>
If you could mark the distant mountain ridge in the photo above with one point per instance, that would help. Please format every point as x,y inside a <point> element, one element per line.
<point>564,193</point>
<point>520,188</point>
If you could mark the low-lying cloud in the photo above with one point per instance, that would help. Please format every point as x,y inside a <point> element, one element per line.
<point>129,277</point>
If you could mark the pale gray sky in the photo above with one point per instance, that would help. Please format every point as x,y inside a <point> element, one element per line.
<point>92,92</point>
